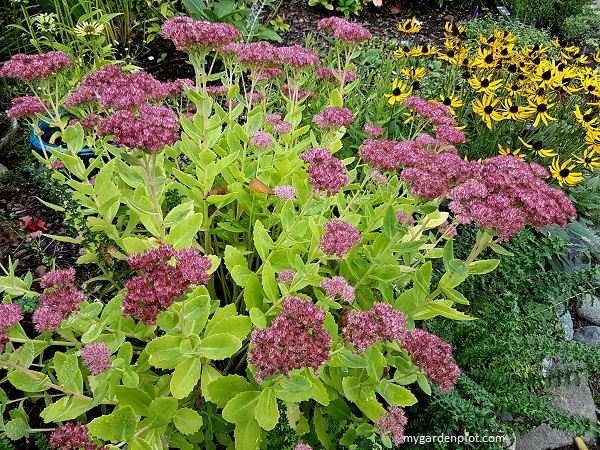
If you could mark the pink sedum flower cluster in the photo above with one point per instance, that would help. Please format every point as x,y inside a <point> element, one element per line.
<point>60,299</point>
<point>339,238</point>
<point>28,106</point>
<point>10,315</point>
<point>296,339</point>
<point>338,286</point>
<point>302,446</point>
<point>33,67</point>
<point>380,153</point>
<point>96,357</point>
<point>508,194</point>
<point>253,54</point>
<point>392,424</point>
<point>167,275</point>
<point>286,276</point>
<point>382,323</point>
<point>433,356</point>
<point>437,113</point>
<point>404,219</point>
<point>373,130</point>
<point>190,35</point>
<point>337,75</point>
<point>326,173</point>
<point>285,192</point>
<point>348,32</point>
<point>72,436</point>
<point>333,118</point>
<point>297,57</point>
<point>150,128</point>
<point>288,92</point>
<point>261,139</point>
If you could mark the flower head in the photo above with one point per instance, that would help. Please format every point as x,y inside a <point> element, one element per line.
<point>433,356</point>
<point>373,130</point>
<point>333,118</point>
<point>190,35</point>
<point>286,276</point>
<point>10,314</point>
<point>96,357</point>
<point>347,32</point>
<point>295,339</point>
<point>27,107</point>
<point>382,323</point>
<point>346,76</point>
<point>31,67</point>
<point>167,275</point>
<point>380,153</point>
<point>285,192</point>
<point>392,424</point>
<point>149,129</point>
<point>339,238</point>
<point>326,172</point>
<point>72,436</point>
<point>298,57</point>
<point>282,127</point>
<point>89,28</point>
<point>261,139</point>
<point>338,286</point>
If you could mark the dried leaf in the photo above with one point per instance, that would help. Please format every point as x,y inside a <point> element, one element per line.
<point>217,191</point>
<point>394,10</point>
<point>449,18</point>
<point>258,186</point>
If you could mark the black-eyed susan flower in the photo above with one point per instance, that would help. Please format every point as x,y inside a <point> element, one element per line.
<point>538,146</point>
<point>511,111</point>
<point>588,160</point>
<point>541,109</point>
<point>597,56</point>
<point>414,73</point>
<point>564,172</point>
<point>403,52</point>
<point>429,50</point>
<point>451,101</point>
<point>514,89</point>
<point>400,91</point>
<point>588,119</point>
<point>485,58</point>
<point>591,85</point>
<point>410,26</point>
<point>485,107</point>
<point>592,139</point>
<point>508,152</point>
<point>506,51</point>
<point>450,54</point>
<point>457,32</point>
<point>506,36</point>
<point>485,85</point>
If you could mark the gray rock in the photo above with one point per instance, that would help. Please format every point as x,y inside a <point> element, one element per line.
<point>578,258</point>
<point>577,400</point>
<point>565,321</point>
<point>589,335</point>
<point>3,168</point>
<point>590,309</point>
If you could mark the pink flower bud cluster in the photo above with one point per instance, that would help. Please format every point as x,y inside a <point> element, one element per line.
<point>373,130</point>
<point>286,276</point>
<point>380,153</point>
<point>338,286</point>
<point>348,32</point>
<point>404,219</point>
<point>190,35</point>
<point>433,356</point>
<point>333,118</point>
<point>282,127</point>
<point>32,67</point>
<point>216,90</point>
<point>507,195</point>
<point>296,339</point>
<point>339,238</point>
<point>10,314</point>
<point>113,89</point>
<point>72,436</point>
<point>27,107</point>
<point>392,424</point>
<point>449,134</point>
<point>261,139</point>
<point>96,357</point>
<point>382,323</point>
<point>253,54</point>
<point>435,112</point>
<point>379,177</point>
<point>60,299</point>
<point>167,275</point>
<point>89,122</point>
<point>298,57</point>
<point>149,129</point>
<point>327,74</point>
<point>326,173</point>
<point>285,192</point>
<point>448,230</point>
<point>302,446</point>
<point>268,74</point>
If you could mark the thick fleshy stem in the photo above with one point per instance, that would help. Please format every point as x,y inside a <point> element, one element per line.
<point>148,166</point>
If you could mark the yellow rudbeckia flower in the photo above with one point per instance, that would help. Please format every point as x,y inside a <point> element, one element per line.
<point>564,172</point>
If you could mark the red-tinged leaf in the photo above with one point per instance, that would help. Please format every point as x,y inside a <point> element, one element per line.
<point>32,223</point>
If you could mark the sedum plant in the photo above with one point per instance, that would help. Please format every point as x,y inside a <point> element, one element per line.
<point>283,284</point>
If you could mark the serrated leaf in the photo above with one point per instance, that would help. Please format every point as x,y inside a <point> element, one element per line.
<point>187,421</point>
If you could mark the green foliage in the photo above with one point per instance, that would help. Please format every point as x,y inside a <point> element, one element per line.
<point>6,444</point>
<point>583,25</point>
<point>526,34</point>
<point>547,14</point>
<point>501,354</point>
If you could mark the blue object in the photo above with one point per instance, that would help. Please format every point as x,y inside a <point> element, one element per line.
<point>48,131</point>
<point>476,12</point>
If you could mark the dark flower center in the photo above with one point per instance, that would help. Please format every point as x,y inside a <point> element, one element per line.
<point>542,108</point>
<point>504,52</point>
<point>514,87</point>
<point>546,75</point>
<point>588,160</point>
<point>450,54</point>
<point>447,101</point>
<point>591,88</point>
<point>466,75</point>
<point>537,145</point>
<point>488,109</point>
<point>416,86</point>
<point>512,68</point>
<point>564,173</point>
<point>587,117</point>
<point>561,67</point>
<point>489,59</point>
<point>396,92</point>
<point>514,109</point>
<point>540,91</point>
<point>485,82</point>
<point>535,48</point>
